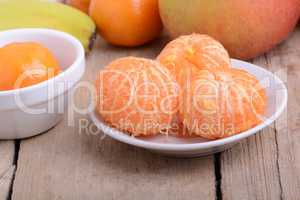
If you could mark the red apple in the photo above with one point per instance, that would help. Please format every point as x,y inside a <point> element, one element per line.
<point>247,28</point>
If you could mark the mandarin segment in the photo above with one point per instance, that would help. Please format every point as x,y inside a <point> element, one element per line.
<point>137,96</point>
<point>221,103</point>
<point>24,64</point>
<point>196,50</point>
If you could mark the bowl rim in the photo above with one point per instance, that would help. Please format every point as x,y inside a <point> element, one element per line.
<point>45,31</point>
<point>122,137</point>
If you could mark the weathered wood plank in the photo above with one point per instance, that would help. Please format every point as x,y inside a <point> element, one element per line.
<point>68,163</point>
<point>285,62</point>
<point>265,166</point>
<point>7,169</point>
<point>249,170</point>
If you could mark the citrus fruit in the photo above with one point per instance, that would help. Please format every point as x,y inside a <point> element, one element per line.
<point>82,5</point>
<point>196,50</point>
<point>136,95</point>
<point>186,55</point>
<point>24,64</point>
<point>221,103</point>
<point>126,22</point>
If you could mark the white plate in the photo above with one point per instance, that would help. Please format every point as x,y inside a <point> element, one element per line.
<point>193,147</point>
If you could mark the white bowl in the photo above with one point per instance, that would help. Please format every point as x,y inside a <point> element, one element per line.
<point>32,110</point>
<point>193,147</point>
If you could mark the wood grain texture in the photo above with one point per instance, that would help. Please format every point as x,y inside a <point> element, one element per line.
<point>285,62</point>
<point>266,166</point>
<point>249,170</point>
<point>7,168</point>
<point>72,163</point>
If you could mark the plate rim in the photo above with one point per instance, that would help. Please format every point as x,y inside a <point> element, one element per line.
<point>125,138</point>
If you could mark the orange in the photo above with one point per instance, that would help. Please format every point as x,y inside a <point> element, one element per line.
<point>189,53</point>
<point>127,22</point>
<point>24,64</point>
<point>82,5</point>
<point>136,95</point>
<point>194,50</point>
<point>221,103</point>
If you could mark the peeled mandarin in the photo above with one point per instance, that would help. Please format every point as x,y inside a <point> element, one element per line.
<point>137,96</point>
<point>200,51</point>
<point>186,55</point>
<point>24,64</point>
<point>222,103</point>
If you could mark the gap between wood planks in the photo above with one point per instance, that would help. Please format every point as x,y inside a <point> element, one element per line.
<point>15,165</point>
<point>277,162</point>
<point>218,176</point>
<point>276,143</point>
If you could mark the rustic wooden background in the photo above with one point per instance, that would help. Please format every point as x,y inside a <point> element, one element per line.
<point>66,163</point>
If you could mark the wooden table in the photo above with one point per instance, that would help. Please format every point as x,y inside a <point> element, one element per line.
<point>67,163</point>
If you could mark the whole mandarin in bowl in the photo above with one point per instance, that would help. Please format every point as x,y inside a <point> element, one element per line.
<point>24,64</point>
<point>137,96</point>
<point>126,22</point>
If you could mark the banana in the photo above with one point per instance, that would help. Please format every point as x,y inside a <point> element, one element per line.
<point>43,14</point>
